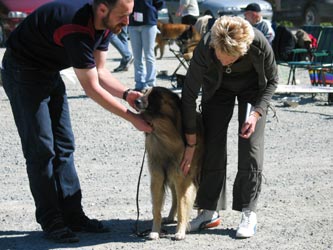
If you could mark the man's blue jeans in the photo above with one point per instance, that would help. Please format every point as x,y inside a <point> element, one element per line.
<point>40,108</point>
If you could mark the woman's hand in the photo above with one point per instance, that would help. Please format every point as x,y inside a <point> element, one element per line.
<point>185,165</point>
<point>249,125</point>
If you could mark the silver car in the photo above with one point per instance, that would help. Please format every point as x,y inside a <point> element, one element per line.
<point>217,8</point>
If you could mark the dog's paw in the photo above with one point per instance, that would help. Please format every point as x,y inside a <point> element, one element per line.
<point>154,236</point>
<point>179,236</point>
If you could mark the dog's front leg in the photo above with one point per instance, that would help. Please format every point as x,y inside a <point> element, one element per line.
<point>157,192</point>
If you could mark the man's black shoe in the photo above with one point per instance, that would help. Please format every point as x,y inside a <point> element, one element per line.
<point>124,66</point>
<point>121,68</point>
<point>62,235</point>
<point>82,223</point>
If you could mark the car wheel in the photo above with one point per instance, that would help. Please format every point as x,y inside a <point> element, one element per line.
<point>311,16</point>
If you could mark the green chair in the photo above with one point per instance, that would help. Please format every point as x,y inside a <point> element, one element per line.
<point>322,56</point>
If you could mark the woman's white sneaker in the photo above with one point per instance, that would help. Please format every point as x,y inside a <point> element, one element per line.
<point>206,219</point>
<point>248,225</point>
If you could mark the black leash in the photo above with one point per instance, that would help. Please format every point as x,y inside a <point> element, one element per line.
<point>146,232</point>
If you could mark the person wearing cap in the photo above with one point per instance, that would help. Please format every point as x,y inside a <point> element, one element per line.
<point>252,13</point>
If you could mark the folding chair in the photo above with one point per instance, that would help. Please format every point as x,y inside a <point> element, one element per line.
<point>184,55</point>
<point>322,56</point>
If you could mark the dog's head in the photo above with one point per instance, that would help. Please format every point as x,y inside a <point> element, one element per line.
<point>157,103</point>
<point>188,38</point>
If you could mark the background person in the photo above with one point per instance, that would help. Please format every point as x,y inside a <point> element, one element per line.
<point>142,31</point>
<point>189,11</point>
<point>120,42</point>
<point>56,36</point>
<point>253,15</point>
<point>233,60</point>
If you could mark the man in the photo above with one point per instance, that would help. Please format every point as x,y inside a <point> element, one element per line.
<point>253,15</point>
<point>56,36</point>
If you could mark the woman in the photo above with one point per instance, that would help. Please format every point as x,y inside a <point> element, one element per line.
<point>233,60</point>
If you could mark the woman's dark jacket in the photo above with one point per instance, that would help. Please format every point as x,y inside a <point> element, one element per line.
<point>206,74</point>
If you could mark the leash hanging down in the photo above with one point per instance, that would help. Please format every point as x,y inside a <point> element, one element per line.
<point>145,232</point>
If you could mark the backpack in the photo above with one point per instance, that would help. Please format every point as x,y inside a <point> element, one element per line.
<point>283,44</point>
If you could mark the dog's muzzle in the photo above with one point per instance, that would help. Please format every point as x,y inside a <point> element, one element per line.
<point>140,104</point>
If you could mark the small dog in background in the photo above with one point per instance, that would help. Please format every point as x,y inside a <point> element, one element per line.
<point>171,32</point>
<point>165,147</point>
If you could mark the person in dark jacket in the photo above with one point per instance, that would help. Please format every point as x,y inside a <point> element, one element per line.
<point>58,35</point>
<point>142,30</point>
<point>233,60</point>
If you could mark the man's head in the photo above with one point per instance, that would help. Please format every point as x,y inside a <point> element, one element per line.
<point>112,14</point>
<point>252,13</point>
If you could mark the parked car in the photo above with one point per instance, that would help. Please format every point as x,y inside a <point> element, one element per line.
<point>12,12</point>
<point>163,15</point>
<point>217,8</point>
<point>309,12</point>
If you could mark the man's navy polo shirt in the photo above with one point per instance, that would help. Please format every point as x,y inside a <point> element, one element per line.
<point>58,35</point>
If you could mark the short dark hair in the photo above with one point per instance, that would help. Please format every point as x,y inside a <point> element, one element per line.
<point>109,3</point>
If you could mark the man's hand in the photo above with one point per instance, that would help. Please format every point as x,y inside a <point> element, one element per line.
<point>140,124</point>
<point>132,96</point>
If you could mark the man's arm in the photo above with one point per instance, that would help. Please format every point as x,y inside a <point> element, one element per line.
<point>102,87</point>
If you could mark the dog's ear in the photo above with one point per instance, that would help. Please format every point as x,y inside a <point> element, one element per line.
<point>154,100</point>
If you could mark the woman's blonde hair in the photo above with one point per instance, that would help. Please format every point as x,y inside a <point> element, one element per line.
<point>232,35</point>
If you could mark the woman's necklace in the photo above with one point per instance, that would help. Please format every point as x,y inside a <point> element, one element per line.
<point>228,69</point>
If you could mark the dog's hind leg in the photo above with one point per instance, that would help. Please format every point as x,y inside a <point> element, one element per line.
<point>155,50</point>
<point>157,192</point>
<point>173,209</point>
<point>186,192</point>
<point>162,45</point>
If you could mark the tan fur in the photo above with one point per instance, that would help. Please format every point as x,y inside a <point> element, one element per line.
<point>165,148</point>
<point>168,32</point>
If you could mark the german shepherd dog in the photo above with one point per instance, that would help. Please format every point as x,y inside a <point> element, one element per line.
<point>188,40</point>
<point>165,147</point>
<point>171,32</point>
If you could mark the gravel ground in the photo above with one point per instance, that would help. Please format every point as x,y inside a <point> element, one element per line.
<point>295,208</point>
